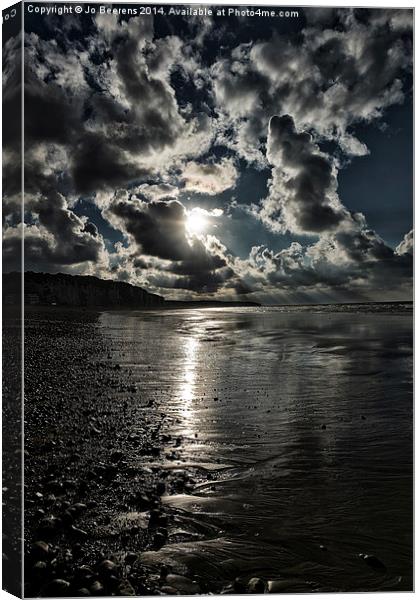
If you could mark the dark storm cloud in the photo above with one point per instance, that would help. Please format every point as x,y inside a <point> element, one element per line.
<point>158,228</point>
<point>303,189</point>
<point>338,71</point>
<point>349,266</point>
<point>12,89</point>
<point>97,165</point>
<point>109,101</point>
<point>49,116</point>
<point>70,240</point>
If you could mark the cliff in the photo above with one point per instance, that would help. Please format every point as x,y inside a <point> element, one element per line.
<point>75,290</point>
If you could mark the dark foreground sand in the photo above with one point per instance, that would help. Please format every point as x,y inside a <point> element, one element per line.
<point>91,502</point>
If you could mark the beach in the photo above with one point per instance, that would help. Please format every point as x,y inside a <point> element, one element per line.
<point>218,450</point>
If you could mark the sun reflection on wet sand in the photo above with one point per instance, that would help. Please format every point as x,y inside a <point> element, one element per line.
<point>187,391</point>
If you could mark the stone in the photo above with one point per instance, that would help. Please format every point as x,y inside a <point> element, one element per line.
<point>161,487</point>
<point>39,568</point>
<point>83,592</point>
<point>182,584</point>
<point>97,589</point>
<point>56,587</point>
<point>126,589</point>
<point>49,525</point>
<point>130,558</point>
<point>107,567</point>
<point>256,586</point>
<point>84,573</point>
<point>40,550</point>
<point>374,562</point>
<point>159,540</point>
<point>167,590</point>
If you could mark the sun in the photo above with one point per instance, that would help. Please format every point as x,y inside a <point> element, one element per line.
<point>196,221</point>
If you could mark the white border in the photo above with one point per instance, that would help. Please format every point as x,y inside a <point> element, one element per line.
<point>338,3</point>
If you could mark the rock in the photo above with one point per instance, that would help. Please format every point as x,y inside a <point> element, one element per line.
<point>107,567</point>
<point>256,586</point>
<point>161,487</point>
<point>130,558</point>
<point>157,518</point>
<point>126,589</point>
<point>49,526</point>
<point>40,550</point>
<point>84,573</point>
<point>373,562</point>
<point>182,584</point>
<point>83,592</point>
<point>40,568</point>
<point>169,591</point>
<point>97,589</point>
<point>56,587</point>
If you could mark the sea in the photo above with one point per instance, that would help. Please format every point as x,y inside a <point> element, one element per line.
<point>301,421</point>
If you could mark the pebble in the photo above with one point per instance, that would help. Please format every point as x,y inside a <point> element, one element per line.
<point>83,592</point>
<point>182,584</point>
<point>161,487</point>
<point>130,558</point>
<point>40,549</point>
<point>49,525</point>
<point>97,589</point>
<point>107,567</point>
<point>373,562</point>
<point>169,591</point>
<point>39,568</point>
<point>126,589</point>
<point>256,586</point>
<point>56,587</point>
<point>84,572</point>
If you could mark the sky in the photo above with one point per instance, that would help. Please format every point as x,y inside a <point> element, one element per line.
<point>248,158</point>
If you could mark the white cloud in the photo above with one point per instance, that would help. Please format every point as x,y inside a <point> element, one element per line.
<point>209,178</point>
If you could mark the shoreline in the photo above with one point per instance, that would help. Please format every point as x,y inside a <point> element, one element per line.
<point>92,503</point>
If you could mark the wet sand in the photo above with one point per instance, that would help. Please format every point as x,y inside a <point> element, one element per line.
<point>219,445</point>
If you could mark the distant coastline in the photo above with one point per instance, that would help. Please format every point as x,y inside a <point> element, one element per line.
<point>86,291</point>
